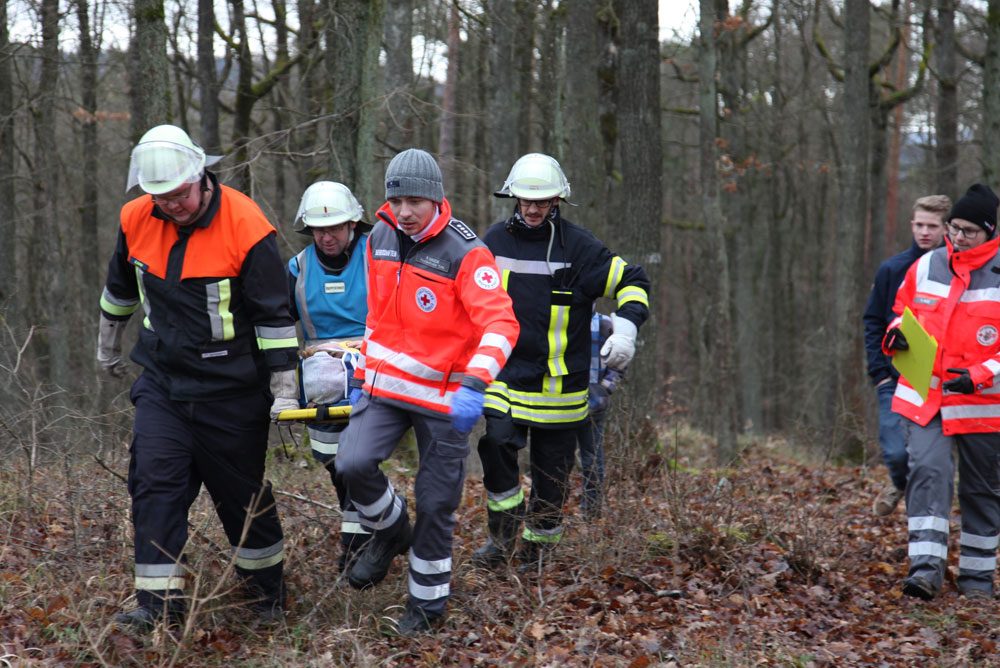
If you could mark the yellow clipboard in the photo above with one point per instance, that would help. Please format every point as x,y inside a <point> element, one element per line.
<point>916,364</point>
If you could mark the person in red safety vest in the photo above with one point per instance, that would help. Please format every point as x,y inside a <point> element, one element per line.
<point>439,329</point>
<point>218,351</point>
<point>954,292</point>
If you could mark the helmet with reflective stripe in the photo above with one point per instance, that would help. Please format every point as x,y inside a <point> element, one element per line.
<point>327,203</point>
<point>535,176</point>
<point>165,159</point>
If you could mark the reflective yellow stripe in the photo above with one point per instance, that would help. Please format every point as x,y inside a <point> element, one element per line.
<point>142,300</point>
<point>115,309</point>
<point>551,536</point>
<point>506,504</point>
<point>558,336</point>
<point>504,277</point>
<point>267,344</point>
<point>632,293</point>
<point>548,407</point>
<point>218,297</point>
<point>615,273</point>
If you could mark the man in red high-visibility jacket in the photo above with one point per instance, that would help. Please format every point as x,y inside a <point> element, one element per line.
<point>954,292</point>
<point>440,327</point>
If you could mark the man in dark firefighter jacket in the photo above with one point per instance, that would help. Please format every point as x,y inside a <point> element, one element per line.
<point>554,271</point>
<point>201,260</point>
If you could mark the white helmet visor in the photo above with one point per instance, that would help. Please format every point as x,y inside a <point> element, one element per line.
<point>326,203</point>
<point>160,167</point>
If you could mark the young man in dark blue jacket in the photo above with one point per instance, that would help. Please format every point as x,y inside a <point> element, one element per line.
<point>928,230</point>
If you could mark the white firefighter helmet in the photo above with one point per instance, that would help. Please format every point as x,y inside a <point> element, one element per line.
<point>535,176</point>
<point>327,203</point>
<point>165,159</point>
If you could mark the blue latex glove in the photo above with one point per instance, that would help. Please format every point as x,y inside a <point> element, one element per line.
<point>354,396</point>
<point>466,408</point>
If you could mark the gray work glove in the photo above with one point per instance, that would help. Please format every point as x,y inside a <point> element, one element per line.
<point>619,349</point>
<point>109,346</point>
<point>285,388</point>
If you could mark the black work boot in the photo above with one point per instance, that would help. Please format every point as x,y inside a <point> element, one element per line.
<point>503,525</point>
<point>533,556</point>
<point>144,620</point>
<point>351,547</point>
<point>374,561</point>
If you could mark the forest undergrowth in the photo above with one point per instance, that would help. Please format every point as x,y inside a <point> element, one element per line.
<point>771,561</point>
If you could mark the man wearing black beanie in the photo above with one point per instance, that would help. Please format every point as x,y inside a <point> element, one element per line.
<point>953,292</point>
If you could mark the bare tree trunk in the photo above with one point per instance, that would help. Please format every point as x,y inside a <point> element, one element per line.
<point>245,99</point>
<point>207,79</point>
<point>88,203</point>
<point>946,119</point>
<point>399,74</point>
<point>372,194</point>
<point>716,361</point>
<point>285,205</point>
<point>310,103</point>
<point>899,78</point>
<point>991,96</point>
<point>8,222</point>
<point>844,378</point>
<point>585,148</point>
<point>149,84</point>
<point>48,230</point>
<point>503,99</point>
<point>552,76</point>
<point>446,143</point>
<point>523,92</point>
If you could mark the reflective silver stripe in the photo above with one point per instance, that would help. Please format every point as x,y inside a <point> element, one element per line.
<point>537,267</point>
<point>217,298</point>
<point>408,389</point>
<point>925,548</point>
<point>485,362</point>
<point>386,522</point>
<point>909,395</point>
<point>353,527</point>
<point>977,563</point>
<point>146,308</point>
<point>924,283</point>
<point>425,593</point>
<point>615,273</point>
<point>928,523</point>
<point>156,577</point>
<point>980,295</point>
<point>970,411</point>
<point>425,567</point>
<point>300,296</point>
<point>496,341</point>
<point>160,570</point>
<point>632,293</point>
<point>500,496</point>
<point>269,338</point>
<point>979,542</point>
<point>253,559</point>
<point>543,399</point>
<point>408,364</point>
<point>324,442</point>
<point>381,505</point>
<point>116,306</point>
<point>159,584</point>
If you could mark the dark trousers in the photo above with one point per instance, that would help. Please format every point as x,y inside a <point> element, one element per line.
<point>177,446</point>
<point>553,453</point>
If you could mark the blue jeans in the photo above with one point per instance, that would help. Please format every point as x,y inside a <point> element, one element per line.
<point>890,435</point>
<point>591,442</point>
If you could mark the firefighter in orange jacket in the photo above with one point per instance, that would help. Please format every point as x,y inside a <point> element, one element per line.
<point>954,292</point>
<point>439,329</point>
<point>201,260</point>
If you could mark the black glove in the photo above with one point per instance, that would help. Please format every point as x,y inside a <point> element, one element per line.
<point>962,384</point>
<point>894,340</point>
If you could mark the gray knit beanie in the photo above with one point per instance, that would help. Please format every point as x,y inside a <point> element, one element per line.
<point>414,173</point>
